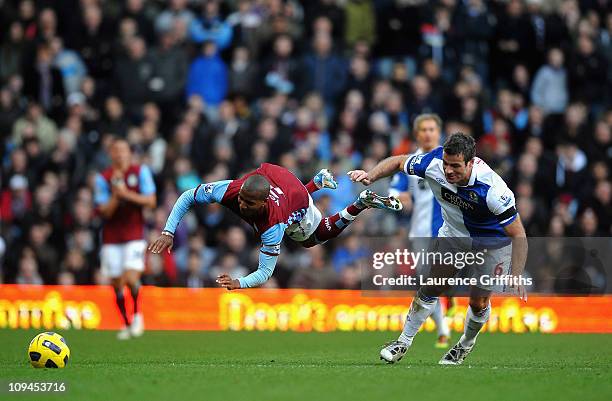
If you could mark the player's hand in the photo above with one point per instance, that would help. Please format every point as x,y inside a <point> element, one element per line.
<point>118,186</point>
<point>120,190</point>
<point>117,175</point>
<point>162,242</point>
<point>519,290</point>
<point>359,176</point>
<point>226,281</point>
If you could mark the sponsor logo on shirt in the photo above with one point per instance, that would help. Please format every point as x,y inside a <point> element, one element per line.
<point>132,180</point>
<point>455,199</point>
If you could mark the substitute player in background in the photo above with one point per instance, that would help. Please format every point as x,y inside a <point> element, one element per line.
<point>274,202</point>
<point>426,213</point>
<point>477,205</point>
<point>122,191</point>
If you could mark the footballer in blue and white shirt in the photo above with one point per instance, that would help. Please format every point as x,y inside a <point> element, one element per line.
<point>477,205</point>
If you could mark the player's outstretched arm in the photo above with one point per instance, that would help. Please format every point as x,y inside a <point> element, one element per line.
<point>181,206</point>
<point>516,231</point>
<point>268,255</point>
<point>264,271</point>
<point>384,168</point>
<point>207,193</point>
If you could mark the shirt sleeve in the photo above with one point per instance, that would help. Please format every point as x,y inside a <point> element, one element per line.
<point>203,193</point>
<point>418,164</point>
<point>500,201</point>
<point>268,255</point>
<point>147,185</point>
<point>102,191</point>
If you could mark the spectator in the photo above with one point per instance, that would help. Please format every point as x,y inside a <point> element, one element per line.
<point>324,71</point>
<point>136,10</point>
<point>549,91</point>
<point>167,84</point>
<point>175,16</point>
<point>243,73</point>
<point>12,52</point>
<point>16,201</point>
<point>35,125</point>
<point>44,83</point>
<point>93,41</point>
<point>280,72</point>
<point>211,27</point>
<point>588,71</point>
<point>133,76</point>
<point>28,270</point>
<point>194,276</point>
<point>360,22</point>
<point>315,273</point>
<point>9,113</point>
<point>208,78</point>
<point>70,64</point>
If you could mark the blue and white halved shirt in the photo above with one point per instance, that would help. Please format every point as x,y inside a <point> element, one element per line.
<point>482,208</point>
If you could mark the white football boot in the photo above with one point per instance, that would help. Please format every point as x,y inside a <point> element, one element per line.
<point>394,351</point>
<point>456,355</point>
<point>137,326</point>
<point>373,200</point>
<point>124,333</point>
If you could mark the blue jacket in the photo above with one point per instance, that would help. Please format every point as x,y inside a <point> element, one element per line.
<point>208,78</point>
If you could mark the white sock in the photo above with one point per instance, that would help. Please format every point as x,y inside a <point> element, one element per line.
<point>422,306</point>
<point>473,324</point>
<point>438,318</point>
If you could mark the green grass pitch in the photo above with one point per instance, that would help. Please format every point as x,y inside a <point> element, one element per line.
<point>311,366</point>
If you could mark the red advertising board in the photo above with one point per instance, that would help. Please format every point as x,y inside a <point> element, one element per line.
<point>93,307</point>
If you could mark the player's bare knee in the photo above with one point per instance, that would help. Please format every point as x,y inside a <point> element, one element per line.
<point>479,303</point>
<point>132,277</point>
<point>117,283</point>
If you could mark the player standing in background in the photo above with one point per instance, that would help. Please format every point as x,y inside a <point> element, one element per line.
<point>477,205</point>
<point>274,202</point>
<point>122,191</point>
<point>426,213</point>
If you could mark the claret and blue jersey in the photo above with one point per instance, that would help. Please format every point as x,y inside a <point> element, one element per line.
<point>482,208</point>
<point>287,204</point>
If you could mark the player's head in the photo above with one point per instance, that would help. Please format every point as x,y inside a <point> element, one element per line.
<point>120,153</point>
<point>458,158</point>
<point>253,196</point>
<point>427,128</point>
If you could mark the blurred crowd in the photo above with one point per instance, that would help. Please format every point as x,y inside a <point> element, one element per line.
<point>206,90</point>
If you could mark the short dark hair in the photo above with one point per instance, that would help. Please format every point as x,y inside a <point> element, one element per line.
<point>460,143</point>
<point>258,185</point>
